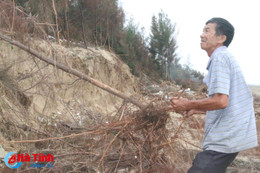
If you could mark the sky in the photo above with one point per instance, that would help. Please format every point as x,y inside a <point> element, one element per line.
<point>190,17</point>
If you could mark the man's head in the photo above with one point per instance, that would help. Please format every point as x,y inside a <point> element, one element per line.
<point>217,32</point>
<point>223,27</point>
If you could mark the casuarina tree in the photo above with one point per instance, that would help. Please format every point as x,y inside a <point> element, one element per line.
<point>163,43</point>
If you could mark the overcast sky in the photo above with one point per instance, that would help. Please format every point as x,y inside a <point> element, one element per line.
<point>190,17</point>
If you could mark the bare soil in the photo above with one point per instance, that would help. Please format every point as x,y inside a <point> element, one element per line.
<point>255,90</point>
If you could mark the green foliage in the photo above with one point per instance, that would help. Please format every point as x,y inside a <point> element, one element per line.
<point>98,22</point>
<point>101,23</point>
<point>163,43</point>
<point>133,50</point>
<point>186,77</point>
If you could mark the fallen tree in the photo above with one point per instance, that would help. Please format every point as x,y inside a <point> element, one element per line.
<point>138,140</point>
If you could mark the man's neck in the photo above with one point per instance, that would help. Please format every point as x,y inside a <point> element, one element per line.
<point>210,52</point>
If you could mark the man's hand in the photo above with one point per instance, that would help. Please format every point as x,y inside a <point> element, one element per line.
<point>179,104</point>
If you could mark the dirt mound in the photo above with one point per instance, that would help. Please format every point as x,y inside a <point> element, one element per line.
<point>35,94</point>
<point>51,89</point>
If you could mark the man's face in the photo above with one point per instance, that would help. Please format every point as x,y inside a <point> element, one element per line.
<point>209,40</point>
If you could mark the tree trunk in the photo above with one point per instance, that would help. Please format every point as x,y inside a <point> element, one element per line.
<point>83,26</point>
<point>56,21</point>
<point>67,32</point>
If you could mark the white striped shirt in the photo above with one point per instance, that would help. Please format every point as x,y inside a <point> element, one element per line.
<point>232,129</point>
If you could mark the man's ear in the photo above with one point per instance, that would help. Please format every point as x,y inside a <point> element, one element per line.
<point>222,38</point>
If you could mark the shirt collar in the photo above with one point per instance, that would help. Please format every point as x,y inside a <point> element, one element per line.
<point>213,54</point>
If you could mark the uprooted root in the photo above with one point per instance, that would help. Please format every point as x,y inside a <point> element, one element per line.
<point>139,142</point>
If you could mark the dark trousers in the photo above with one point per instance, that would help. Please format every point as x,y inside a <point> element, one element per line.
<point>211,162</point>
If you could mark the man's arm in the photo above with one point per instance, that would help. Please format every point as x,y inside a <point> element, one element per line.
<point>217,101</point>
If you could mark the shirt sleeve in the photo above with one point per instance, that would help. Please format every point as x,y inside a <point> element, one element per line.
<point>219,81</point>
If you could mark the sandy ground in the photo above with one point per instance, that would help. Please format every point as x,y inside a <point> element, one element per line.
<point>255,89</point>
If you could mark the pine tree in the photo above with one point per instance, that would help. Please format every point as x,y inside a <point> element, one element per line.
<point>163,43</point>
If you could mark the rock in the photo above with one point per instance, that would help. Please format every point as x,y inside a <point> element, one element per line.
<point>2,153</point>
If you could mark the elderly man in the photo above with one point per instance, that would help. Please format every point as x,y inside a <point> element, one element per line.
<point>230,122</point>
